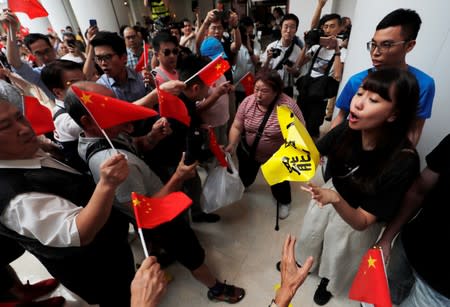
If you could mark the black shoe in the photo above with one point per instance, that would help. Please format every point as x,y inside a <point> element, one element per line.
<point>278,265</point>
<point>322,295</point>
<point>206,218</point>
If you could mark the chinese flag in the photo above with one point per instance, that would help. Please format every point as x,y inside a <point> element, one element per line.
<point>248,82</point>
<point>173,107</point>
<point>152,212</point>
<point>39,116</point>
<point>211,72</point>
<point>30,7</point>
<point>216,150</point>
<point>109,111</point>
<point>370,283</point>
<point>142,59</point>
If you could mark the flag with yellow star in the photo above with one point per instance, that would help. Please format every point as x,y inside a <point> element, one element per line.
<point>248,82</point>
<point>30,7</point>
<point>171,106</point>
<point>298,158</point>
<point>110,111</point>
<point>151,212</point>
<point>370,284</point>
<point>214,70</point>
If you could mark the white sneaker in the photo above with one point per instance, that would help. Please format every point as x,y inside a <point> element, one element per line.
<point>284,211</point>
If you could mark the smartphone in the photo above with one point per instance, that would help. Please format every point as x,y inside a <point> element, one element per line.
<point>328,42</point>
<point>92,22</point>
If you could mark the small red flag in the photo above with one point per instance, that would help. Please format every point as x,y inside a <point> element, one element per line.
<point>214,70</point>
<point>30,7</point>
<point>142,59</point>
<point>110,111</point>
<point>173,107</point>
<point>248,82</point>
<point>39,116</point>
<point>370,284</point>
<point>152,212</point>
<point>215,148</point>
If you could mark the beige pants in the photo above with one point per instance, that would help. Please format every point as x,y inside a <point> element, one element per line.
<point>337,248</point>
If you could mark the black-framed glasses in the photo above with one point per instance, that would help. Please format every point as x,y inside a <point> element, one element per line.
<point>45,52</point>
<point>383,46</point>
<point>167,52</point>
<point>105,57</point>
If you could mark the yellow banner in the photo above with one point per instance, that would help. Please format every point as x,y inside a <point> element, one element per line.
<point>298,158</point>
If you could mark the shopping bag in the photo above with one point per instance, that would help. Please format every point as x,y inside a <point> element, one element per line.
<point>222,187</point>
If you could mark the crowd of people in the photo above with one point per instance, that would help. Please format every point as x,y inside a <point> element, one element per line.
<point>66,196</point>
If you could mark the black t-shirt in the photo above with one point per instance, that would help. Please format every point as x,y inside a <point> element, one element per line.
<point>350,175</point>
<point>426,237</point>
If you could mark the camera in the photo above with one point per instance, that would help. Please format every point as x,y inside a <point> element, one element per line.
<point>275,52</point>
<point>312,37</point>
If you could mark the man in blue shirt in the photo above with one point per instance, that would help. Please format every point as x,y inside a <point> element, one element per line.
<point>394,37</point>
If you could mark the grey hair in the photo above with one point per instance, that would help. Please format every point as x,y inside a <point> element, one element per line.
<point>11,94</point>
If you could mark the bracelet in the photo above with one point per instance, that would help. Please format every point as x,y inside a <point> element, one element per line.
<point>337,53</point>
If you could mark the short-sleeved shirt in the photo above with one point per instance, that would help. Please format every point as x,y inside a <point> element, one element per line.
<point>285,76</point>
<point>320,65</point>
<point>131,91</point>
<point>351,174</point>
<point>249,115</point>
<point>141,178</point>
<point>426,235</point>
<point>426,86</point>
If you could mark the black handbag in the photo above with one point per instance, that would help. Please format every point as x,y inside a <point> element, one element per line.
<point>320,88</point>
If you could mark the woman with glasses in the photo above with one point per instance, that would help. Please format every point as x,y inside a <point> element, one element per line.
<point>371,163</point>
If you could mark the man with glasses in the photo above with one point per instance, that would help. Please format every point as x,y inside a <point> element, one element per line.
<point>111,55</point>
<point>394,37</point>
<point>133,43</point>
<point>282,54</point>
<point>38,44</point>
<point>166,52</point>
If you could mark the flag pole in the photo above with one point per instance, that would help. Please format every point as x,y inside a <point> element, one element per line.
<point>141,234</point>
<point>201,70</point>
<point>243,77</point>
<point>144,246</point>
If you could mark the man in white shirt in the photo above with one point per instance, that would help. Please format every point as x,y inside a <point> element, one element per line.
<point>61,216</point>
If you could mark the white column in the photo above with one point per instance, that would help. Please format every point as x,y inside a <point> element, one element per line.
<point>101,10</point>
<point>57,14</point>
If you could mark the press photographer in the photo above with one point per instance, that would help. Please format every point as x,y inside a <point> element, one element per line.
<point>325,61</point>
<point>281,55</point>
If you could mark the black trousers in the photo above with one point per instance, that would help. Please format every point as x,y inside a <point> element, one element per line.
<point>314,113</point>
<point>248,169</point>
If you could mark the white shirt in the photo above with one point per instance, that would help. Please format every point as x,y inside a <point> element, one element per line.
<point>66,129</point>
<point>50,219</point>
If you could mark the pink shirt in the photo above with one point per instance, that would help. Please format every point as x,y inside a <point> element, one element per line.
<point>217,114</point>
<point>251,116</point>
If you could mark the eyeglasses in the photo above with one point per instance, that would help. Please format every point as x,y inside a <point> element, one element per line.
<point>167,52</point>
<point>104,57</point>
<point>383,46</point>
<point>41,54</point>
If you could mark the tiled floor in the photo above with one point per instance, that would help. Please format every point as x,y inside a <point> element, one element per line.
<point>242,249</point>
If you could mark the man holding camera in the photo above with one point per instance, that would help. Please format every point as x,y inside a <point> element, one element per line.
<point>325,58</point>
<point>282,54</point>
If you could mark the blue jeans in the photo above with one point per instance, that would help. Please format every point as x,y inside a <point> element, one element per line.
<point>407,288</point>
